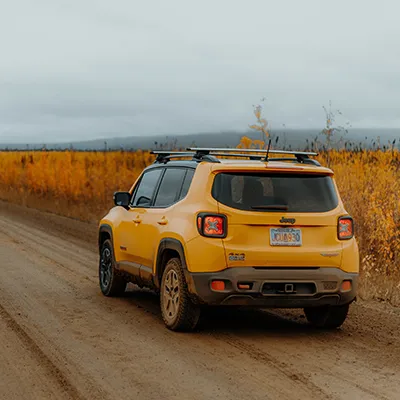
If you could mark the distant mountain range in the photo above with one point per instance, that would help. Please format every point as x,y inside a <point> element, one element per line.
<point>293,138</point>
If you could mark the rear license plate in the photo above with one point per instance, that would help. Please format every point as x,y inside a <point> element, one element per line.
<point>285,237</point>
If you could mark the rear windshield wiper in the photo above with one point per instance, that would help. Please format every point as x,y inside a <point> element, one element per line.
<point>271,207</point>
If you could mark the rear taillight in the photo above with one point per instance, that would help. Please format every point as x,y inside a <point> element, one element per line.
<point>211,225</point>
<point>345,228</point>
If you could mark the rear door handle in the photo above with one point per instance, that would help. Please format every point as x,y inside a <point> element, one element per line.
<point>137,220</point>
<point>162,221</point>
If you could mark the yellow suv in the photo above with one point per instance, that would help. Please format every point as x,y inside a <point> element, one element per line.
<point>219,227</point>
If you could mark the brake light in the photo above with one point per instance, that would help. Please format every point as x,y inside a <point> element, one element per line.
<point>345,228</point>
<point>211,225</point>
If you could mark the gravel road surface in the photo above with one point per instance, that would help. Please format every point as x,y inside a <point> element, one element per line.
<point>61,339</point>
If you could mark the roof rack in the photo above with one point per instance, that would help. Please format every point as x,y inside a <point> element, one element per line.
<point>300,156</point>
<point>210,154</point>
<point>163,156</point>
<point>263,151</point>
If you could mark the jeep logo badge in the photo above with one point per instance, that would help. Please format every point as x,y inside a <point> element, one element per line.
<point>284,220</point>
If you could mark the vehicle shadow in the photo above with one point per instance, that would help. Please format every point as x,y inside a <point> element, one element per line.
<point>225,320</point>
<point>253,320</point>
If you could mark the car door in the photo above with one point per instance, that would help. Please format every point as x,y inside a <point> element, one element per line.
<point>130,231</point>
<point>173,187</point>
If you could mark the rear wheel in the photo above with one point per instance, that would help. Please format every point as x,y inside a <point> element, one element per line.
<point>327,317</point>
<point>111,283</point>
<point>178,311</point>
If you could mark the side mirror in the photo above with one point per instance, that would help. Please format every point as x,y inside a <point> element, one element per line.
<point>122,199</point>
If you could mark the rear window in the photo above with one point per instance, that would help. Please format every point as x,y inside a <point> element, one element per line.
<point>276,192</point>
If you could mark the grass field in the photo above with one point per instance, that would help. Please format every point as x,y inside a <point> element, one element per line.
<point>81,184</point>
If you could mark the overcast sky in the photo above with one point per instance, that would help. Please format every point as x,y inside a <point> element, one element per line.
<point>85,69</point>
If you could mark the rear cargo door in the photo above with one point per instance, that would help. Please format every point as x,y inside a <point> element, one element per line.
<point>279,219</point>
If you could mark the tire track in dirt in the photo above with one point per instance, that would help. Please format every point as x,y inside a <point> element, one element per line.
<point>285,368</point>
<point>39,242</point>
<point>43,360</point>
<point>288,369</point>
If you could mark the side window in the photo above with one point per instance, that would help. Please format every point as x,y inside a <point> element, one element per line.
<point>146,188</point>
<point>186,183</point>
<point>170,187</point>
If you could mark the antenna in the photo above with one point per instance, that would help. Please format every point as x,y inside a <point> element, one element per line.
<point>269,147</point>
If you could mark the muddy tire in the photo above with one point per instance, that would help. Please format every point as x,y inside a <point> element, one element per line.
<point>327,317</point>
<point>178,311</point>
<point>111,283</point>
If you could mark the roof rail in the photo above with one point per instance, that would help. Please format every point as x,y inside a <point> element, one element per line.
<point>262,151</point>
<point>301,156</point>
<point>210,154</point>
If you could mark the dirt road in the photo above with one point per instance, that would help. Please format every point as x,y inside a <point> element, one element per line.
<point>60,339</point>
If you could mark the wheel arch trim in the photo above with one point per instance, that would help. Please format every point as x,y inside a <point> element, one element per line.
<point>168,244</point>
<point>105,228</point>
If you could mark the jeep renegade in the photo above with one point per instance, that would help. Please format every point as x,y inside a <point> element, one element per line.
<point>221,227</point>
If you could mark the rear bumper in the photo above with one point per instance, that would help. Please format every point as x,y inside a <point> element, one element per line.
<point>275,287</point>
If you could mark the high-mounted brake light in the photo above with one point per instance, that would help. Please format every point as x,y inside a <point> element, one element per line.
<point>211,225</point>
<point>345,228</point>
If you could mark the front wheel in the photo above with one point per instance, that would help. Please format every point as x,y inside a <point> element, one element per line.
<point>111,283</point>
<point>178,311</point>
<point>327,317</point>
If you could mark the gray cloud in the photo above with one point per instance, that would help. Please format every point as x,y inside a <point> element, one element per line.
<point>93,68</point>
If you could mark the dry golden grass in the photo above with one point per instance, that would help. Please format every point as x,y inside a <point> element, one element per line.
<point>80,185</point>
<point>369,184</point>
<point>74,184</point>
